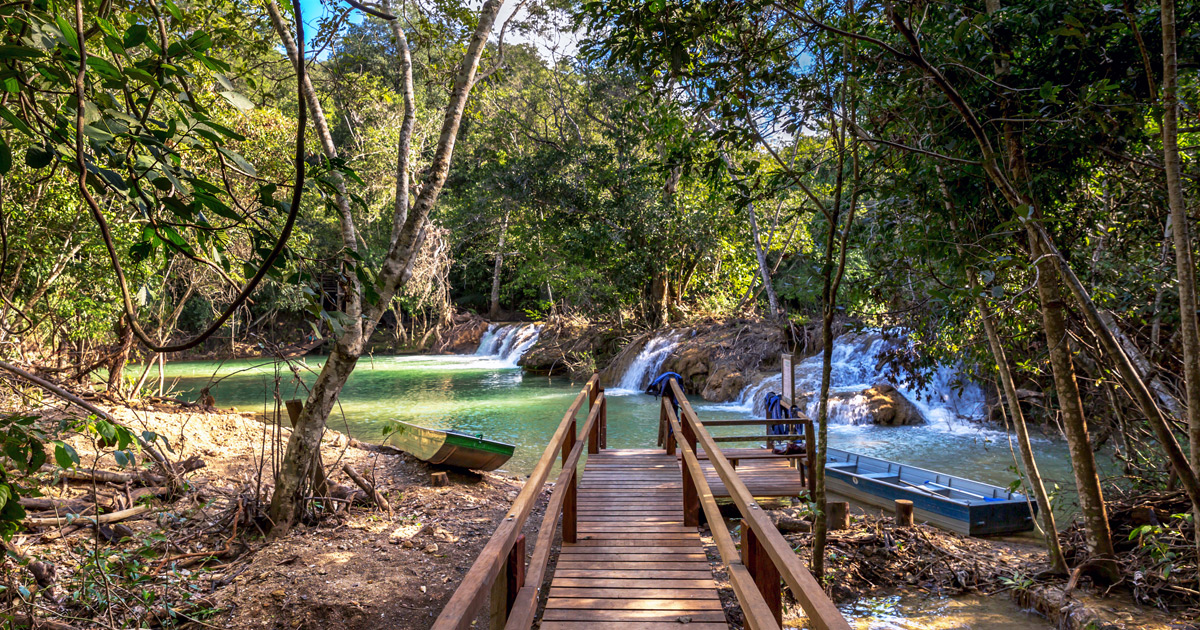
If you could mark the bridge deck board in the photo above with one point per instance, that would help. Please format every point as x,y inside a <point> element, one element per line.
<point>635,565</point>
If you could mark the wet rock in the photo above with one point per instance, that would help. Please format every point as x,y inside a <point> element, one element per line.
<point>887,406</point>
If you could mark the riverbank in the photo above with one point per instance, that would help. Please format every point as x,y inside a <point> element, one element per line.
<point>201,556</point>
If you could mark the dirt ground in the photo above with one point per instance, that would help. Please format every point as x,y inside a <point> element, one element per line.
<point>356,568</point>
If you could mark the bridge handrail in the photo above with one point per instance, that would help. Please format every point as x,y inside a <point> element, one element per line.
<point>561,500</point>
<point>821,612</point>
<point>477,584</point>
<point>758,614</point>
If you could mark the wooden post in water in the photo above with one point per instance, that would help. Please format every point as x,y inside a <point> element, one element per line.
<point>691,499</point>
<point>904,513</point>
<point>569,526</point>
<point>766,576</point>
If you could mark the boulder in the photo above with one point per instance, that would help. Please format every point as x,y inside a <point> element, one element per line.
<point>887,406</point>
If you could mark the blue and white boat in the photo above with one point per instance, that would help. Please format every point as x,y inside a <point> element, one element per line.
<point>954,503</point>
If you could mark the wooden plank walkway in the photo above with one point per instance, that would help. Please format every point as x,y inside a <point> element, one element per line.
<point>635,565</point>
<point>764,478</point>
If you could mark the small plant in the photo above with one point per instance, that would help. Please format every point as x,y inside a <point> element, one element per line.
<point>1159,541</point>
<point>1018,582</point>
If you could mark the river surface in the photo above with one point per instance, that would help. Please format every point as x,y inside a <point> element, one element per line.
<point>490,395</point>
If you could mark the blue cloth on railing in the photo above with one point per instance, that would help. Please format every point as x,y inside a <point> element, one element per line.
<point>777,411</point>
<point>661,386</point>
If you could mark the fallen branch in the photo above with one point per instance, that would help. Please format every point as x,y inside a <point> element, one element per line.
<point>100,520</point>
<point>142,478</point>
<point>368,488</point>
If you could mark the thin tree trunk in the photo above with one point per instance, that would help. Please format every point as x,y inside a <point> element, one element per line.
<point>1181,232</point>
<point>494,308</point>
<point>761,256</point>
<point>1087,481</point>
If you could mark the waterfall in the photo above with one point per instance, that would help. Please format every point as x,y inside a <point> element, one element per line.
<point>508,342</point>
<point>489,343</point>
<point>945,401</point>
<point>647,363</point>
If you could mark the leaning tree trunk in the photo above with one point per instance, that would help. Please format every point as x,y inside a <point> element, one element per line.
<point>393,273</point>
<point>1181,232</point>
<point>1083,459</point>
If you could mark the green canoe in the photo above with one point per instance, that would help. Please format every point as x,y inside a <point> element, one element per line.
<point>450,448</point>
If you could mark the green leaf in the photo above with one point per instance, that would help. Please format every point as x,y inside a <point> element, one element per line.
<point>104,68</point>
<point>135,35</point>
<point>239,161</point>
<point>237,100</point>
<point>19,52</point>
<point>65,455</point>
<point>38,156</point>
<point>17,123</point>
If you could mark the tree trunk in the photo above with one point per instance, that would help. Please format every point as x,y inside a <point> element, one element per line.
<point>659,294</point>
<point>393,273</point>
<point>1083,460</point>
<point>116,365</point>
<point>1181,233</point>
<point>761,256</point>
<point>494,308</point>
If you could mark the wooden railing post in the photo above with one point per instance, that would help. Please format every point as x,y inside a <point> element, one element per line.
<point>603,420</point>
<point>691,499</point>
<point>507,585</point>
<point>766,576</point>
<point>593,438</point>
<point>569,526</point>
<point>663,429</point>
<point>810,457</point>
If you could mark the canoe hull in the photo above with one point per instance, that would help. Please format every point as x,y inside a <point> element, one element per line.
<point>451,448</point>
<point>977,509</point>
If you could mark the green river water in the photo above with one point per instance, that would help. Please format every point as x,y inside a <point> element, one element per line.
<point>486,395</point>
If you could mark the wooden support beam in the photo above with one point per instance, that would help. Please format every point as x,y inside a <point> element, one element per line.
<point>570,526</point>
<point>603,420</point>
<point>691,500</point>
<point>766,576</point>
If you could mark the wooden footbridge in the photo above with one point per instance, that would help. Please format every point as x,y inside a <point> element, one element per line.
<point>631,556</point>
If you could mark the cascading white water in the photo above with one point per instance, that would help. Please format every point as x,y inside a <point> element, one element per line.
<point>489,343</point>
<point>508,343</point>
<point>946,400</point>
<point>646,364</point>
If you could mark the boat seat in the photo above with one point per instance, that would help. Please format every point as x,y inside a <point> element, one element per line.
<point>882,476</point>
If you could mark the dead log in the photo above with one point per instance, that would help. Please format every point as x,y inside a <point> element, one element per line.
<point>62,506</point>
<point>368,488</point>
<point>102,519</point>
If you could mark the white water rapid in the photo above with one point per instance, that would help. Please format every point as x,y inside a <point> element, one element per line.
<point>948,401</point>
<point>507,343</point>
<point>646,364</point>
